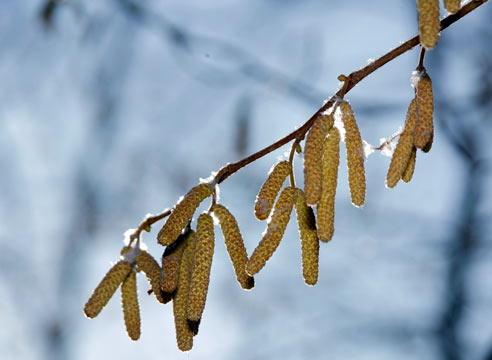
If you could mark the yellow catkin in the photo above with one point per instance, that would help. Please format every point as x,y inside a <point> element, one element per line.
<point>403,149</point>
<point>269,191</point>
<point>106,288</point>
<point>313,151</point>
<point>355,155</point>
<point>408,173</point>
<point>182,213</point>
<point>274,232</point>
<point>235,245</point>
<point>200,276</point>
<point>452,5</point>
<point>424,128</point>
<point>129,303</point>
<point>309,239</point>
<point>170,264</point>
<point>326,206</point>
<point>152,271</point>
<point>429,25</point>
<point>184,335</point>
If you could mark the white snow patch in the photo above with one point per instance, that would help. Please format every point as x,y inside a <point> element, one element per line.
<point>388,146</point>
<point>415,78</point>
<point>368,149</point>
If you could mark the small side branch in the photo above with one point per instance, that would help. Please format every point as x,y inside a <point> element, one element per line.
<point>147,223</point>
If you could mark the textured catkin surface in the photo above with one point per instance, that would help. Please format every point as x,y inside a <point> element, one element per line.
<point>429,25</point>
<point>355,155</point>
<point>234,245</point>
<point>275,231</point>
<point>424,129</point>
<point>309,239</point>
<point>452,5</point>
<point>270,189</point>
<point>129,303</point>
<point>313,151</point>
<point>403,150</point>
<point>170,269</point>
<point>408,173</point>
<point>326,206</point>
<point>202,263</point>
<point>182,213</point>
<point>184,335</point>
<point>152,271</point>
<point>106,288</point>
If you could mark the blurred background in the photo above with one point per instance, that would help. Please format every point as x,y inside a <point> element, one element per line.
<point>113,109</point>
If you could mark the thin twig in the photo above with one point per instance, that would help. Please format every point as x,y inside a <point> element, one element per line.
<point>354,77</point>
<point>147,223</point>
<point>420,66</point>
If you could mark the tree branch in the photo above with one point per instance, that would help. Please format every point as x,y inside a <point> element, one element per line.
<point>353,79</point>
<point>146,223</point>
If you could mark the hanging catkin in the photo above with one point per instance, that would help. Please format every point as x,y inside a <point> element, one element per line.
<point>408,173</point>
<point>234,245</point>
<point>152,271</point>
<point>424,128</point>
<point>326,206</point>
<point>200,276</point>
<point>184,335</point>
<point>182,213</point>
<point>429,25</point>
<point>313,151</point>
<point>170,264</point>
<point>401,155</point>
<point>129,303</point>
<point>355,155</point>
<point>274,233</point>
<point>106,288</point>
<point>269,191</point>
<point>309,239</point>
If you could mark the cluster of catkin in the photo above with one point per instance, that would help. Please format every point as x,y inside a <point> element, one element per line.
<point>321,161</point>
<point>124,273</point>
<point>185,272</point>
<point>428,17</point>
<point>184,275</point>
<point>418,131</point>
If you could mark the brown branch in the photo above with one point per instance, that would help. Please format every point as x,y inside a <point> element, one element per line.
<point>354,78</point>
<point>420,66</point>
<point>147,223</point>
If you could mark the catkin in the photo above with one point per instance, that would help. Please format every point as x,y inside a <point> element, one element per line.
<point>403,150</point>
<point>355,155</point>
<point>274,233</point>
<point>269,191</point>
<point>200,276</point>
<point>326,206</point>
<point>452,5</point>
<point>184,335</point>
<point>129,303</point>
<point>182,213</point>
<point>429,25</point>
<point>424,128</point>
<point>235,245</point>
<point>106,288</point>
<point>313,151</point>
<point>152,271</point>
<point>170,264</point>
<point>309,239</point>
<point>408,173</point>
